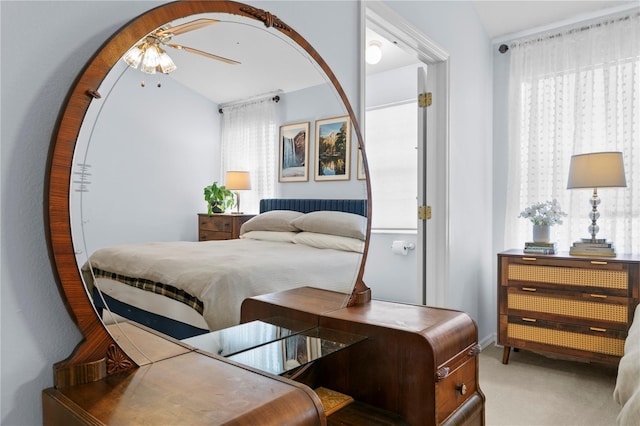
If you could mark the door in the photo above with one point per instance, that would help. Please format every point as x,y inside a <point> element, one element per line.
<point>430,270</point>
<point>424,213</point>
<point>427,186</point>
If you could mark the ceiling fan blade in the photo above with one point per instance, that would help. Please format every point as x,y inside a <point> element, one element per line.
<point>200,52</point>
<point>186,27</point>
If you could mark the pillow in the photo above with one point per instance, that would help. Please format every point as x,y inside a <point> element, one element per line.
<point>333,223</point>
<point>274,220</point>
<point>326,241</point>
<point>278,236</point>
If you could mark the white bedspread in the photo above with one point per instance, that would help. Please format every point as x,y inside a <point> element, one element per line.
<point>224,273</point>
<point>627,390</point>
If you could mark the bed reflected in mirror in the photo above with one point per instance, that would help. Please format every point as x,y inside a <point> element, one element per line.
<point>150,143</point>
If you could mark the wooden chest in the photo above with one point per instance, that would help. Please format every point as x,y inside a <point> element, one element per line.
<point>580,307</point>
<point>417,362</point>
<point>220,226</point>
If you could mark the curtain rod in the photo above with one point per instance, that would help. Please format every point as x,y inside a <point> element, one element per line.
<point>275,98</point>
<point>503,48</point>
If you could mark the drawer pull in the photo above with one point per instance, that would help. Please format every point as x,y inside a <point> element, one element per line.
<point>598,262</point>
<point>442,373</point>
<point>462,389</point>
<point>529,289</point>
<point>529,319</point>
<point>475,350</point>
<point>599,296</point>
<point>529,258</point>
<point>601,330</point>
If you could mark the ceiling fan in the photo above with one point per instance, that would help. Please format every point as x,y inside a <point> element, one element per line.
<point>150,56</point>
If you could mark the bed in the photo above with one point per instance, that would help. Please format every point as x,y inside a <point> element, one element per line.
<point>627,389</point>
<point>187,288</point>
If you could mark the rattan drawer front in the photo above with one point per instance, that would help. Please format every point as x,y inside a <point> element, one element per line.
<point>567,339</point>
<point>569,276</point>
<point>568,307</point>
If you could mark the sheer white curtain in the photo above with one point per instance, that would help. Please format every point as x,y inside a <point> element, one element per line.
<point>572,93</point>
<point>249,142</point>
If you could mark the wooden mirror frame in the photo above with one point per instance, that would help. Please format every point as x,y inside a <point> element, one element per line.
<point>98,354</point>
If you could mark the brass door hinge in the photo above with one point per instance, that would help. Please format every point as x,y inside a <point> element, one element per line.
<point>424,99</point>
<point>424,212</point>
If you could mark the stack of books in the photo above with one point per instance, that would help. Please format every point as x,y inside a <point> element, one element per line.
<point>534,247</point>
<point>589,247</point>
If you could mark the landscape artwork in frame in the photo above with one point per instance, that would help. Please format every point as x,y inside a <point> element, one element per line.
<point>294,152</point>
<point>333,148</point>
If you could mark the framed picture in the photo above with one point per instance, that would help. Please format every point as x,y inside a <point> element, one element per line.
<point>333,148</point>
<point>294,152</point>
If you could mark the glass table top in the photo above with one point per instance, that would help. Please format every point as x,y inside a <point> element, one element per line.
<point>274,345</point>
<point>245,336</point>
<point>287,354</point>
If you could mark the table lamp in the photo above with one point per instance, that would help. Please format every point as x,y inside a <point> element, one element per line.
<point>237,181</point>
<point>596,170</point>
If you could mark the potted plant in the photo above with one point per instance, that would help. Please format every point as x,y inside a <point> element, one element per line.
<point>218,198</point>
<point>543,215</point>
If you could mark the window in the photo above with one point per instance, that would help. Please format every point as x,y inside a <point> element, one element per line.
<point>575,93</point>
<point>249,141</point>
<point>391,136</point>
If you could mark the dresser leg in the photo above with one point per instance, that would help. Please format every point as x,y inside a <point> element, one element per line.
<point>505,354</point>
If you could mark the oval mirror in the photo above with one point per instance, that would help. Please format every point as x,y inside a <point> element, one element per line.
<point>134,150</point>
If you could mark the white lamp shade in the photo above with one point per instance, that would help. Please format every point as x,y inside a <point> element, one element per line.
<point>597,170</point>
<point>237,180</point>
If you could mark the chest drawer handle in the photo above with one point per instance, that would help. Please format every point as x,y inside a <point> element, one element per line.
<point>599,296</point>
<point>529,289</point>
<point>598,262</point>
<point>442,373</point>
<point>462,389</point>
<point>529,258</point>
<point>529,319</point>
<point>475,350</point>
<point>601,330</point>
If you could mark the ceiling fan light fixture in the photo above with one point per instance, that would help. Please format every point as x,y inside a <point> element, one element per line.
<point>133,56</point>
<point>165,63</point>
<point>150,60</point>
<point>373,53</point>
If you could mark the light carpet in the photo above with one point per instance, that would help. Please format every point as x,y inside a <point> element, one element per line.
<point>538,390</point>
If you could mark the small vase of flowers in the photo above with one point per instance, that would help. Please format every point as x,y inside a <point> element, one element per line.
<point>543,215</point>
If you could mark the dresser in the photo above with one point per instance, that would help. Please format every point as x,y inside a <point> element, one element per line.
<point>575,306</point>
<point>417,362</point>
<point>412,365</point>
<point>220,226</point>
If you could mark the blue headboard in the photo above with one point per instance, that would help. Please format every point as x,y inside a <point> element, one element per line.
<point>311,205</point>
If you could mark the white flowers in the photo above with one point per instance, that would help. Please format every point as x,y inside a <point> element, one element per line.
<point>547,213</point>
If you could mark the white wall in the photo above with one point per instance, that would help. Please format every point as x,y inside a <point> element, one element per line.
<point>152,151</point>
<point>309,105</point>
<point>59,37</point>
<point>456,27</point>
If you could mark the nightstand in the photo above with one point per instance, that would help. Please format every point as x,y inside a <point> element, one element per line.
<point>576,306</point>
<point>220,226</point>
